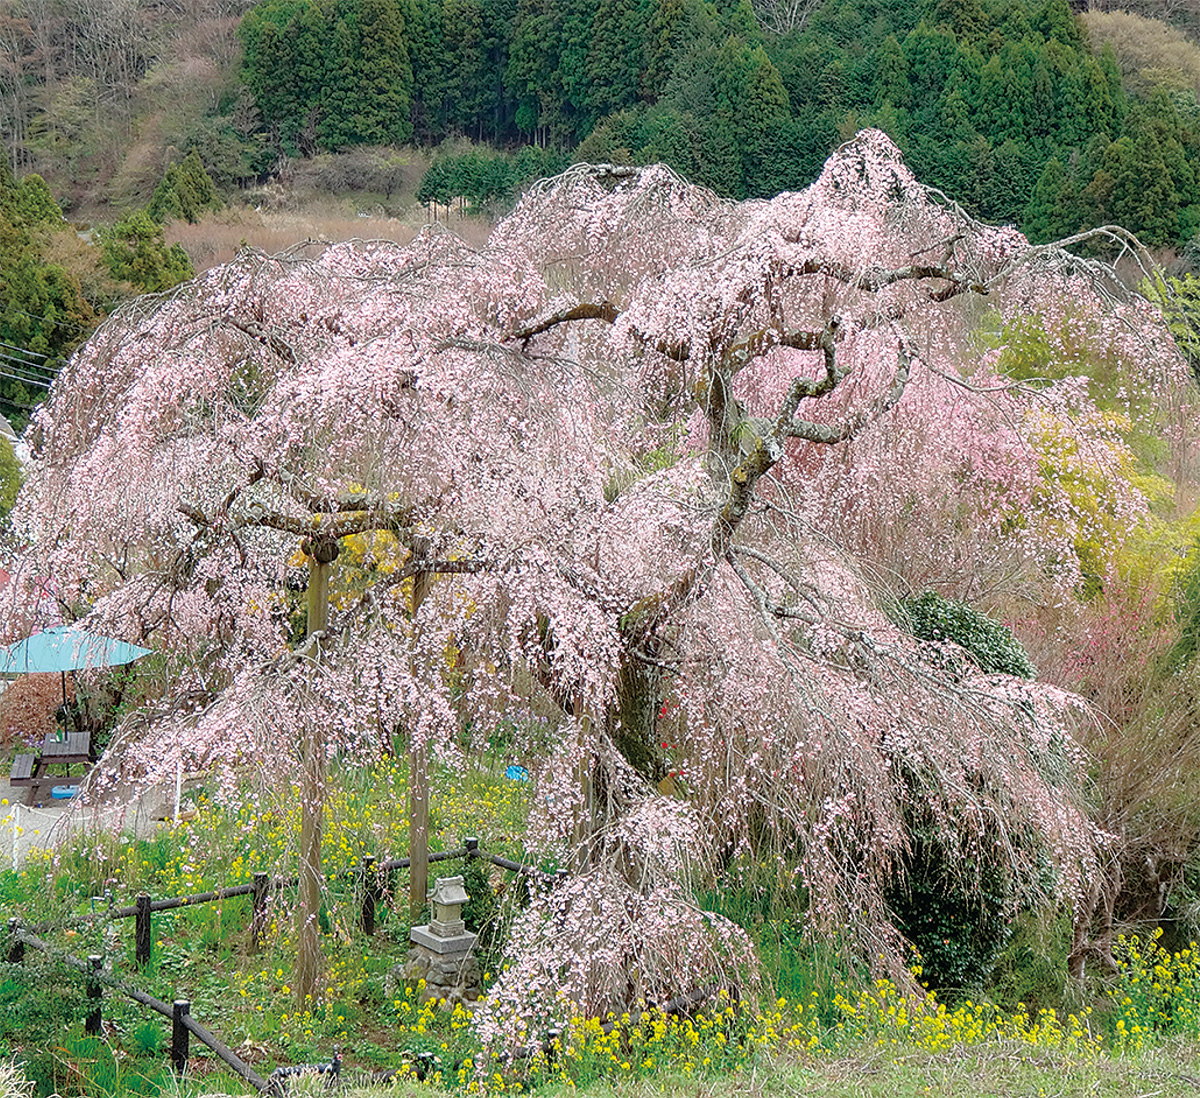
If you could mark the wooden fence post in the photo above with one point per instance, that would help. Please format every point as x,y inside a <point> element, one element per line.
<point>16,948</point>
<point>472,845</point>
<point>370,890</point>
<point>142,931</point>
<point>258,919</point>
<point>180,1033</point>
<point>92,1024</point>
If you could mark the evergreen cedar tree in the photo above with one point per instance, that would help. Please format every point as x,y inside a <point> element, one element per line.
<point>1004,105</point>
<point>638,444</point>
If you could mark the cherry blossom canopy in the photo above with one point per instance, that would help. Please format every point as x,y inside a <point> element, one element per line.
<point>639,481</point>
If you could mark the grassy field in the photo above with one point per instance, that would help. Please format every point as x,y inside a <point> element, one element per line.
<point>218,237</point>
<point>825,1032</point>
<point>994,1072</point>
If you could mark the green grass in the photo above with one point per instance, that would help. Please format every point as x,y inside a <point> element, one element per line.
<point>1001,1071</point>
<point>831,1032</point>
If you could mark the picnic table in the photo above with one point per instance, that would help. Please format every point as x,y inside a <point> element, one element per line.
<point>63,749</point>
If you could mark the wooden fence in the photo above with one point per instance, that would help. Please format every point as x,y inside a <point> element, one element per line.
<point>183,1024</point>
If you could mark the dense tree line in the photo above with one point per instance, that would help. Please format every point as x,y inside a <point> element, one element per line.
<point>1001,103</point>
<point>56,285</point>
<point>1004,104</point>
<point>44,311</point>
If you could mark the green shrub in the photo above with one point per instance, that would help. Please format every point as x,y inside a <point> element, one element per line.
<point>930,617</point>
<point>957,915</point>
<point>1032,966</point>
<point>38,1002</point>
<point>185,191</point>
<point>10,477</point>
<point>136,252</point>
<point>147,1038</point>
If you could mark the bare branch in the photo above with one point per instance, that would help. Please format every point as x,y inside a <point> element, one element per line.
<point>852,425</point>
<point>767,606</point>
<point>803,387</point>
<point>267,339</point>
<point>194,513</point>
<point>605,311</point>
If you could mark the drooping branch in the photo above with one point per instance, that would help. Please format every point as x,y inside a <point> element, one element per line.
<point>677,350</point>
<point>267,339</point>
<point>806,591</point>
<point>767,606</point>
<point>255,476</point>
<point>351,500</point>
<point>326,525</point>
<point>759,456</point>
<point>874,279</point>
<point>803,388</point>
<point>767,339</point>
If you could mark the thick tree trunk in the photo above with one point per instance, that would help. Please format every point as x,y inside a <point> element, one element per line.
<point>634,720</point>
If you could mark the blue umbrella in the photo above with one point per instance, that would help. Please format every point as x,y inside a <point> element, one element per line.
<point>65,648</point>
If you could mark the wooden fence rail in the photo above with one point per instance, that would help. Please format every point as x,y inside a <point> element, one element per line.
<point>182,1023</point>
<point>260,888</point>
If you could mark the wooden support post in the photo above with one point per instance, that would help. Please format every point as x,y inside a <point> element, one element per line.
<point>142,931</point>
<point>370,892</point>
<point>258,917</point>
<point>418,829</point>
<point>16,948</point>
<point>321,552</point>
<point>94,992</point>
<point>418,770</point>
<point>180,1035</point>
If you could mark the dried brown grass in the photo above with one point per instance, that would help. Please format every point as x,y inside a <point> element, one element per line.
<point>220,236</point>
<point>27,708</point>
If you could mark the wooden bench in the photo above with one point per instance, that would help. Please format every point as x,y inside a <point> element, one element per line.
<point>22,770</point>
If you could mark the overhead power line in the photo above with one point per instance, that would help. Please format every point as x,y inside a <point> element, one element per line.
<point>23,380</point>
<point>43,372</point>
<point>23,350</point>
<point>55,323</point>
<point>15,370</point>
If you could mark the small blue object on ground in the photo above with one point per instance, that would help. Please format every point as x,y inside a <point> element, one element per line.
<point>516,773</point>
<point>64,792</point>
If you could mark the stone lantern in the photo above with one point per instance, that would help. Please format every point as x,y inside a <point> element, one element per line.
<point>441,953</point>
<point>447,899</point>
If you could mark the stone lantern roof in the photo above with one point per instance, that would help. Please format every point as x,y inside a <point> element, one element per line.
<point>448,891</point>
<point>445,933</point>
